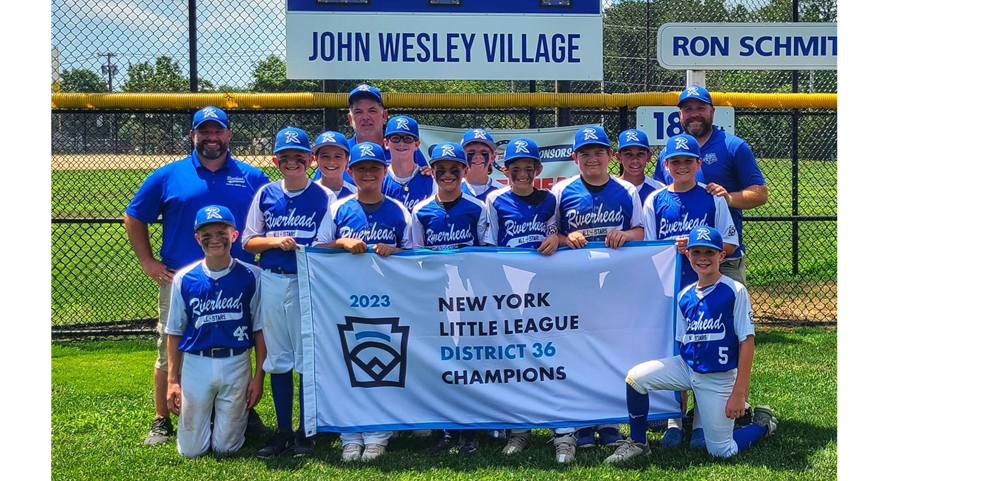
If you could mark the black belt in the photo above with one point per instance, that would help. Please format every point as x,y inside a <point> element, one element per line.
<point>280,270</point>
<point>220,352</point>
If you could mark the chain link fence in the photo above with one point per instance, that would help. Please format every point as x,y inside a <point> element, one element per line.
<point>100,157</point>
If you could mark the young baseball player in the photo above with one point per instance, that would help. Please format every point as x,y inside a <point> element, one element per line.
<point>214,322</point>
<point>522,216</point>
<point>593,206</point>
<point>366,218</point>
<point>715,332</point>
<point>284,214</point>
<point>404,182</point>
<point>449,220</point>
<point>672,213</point>
<point>331,151</point>
<point>479,147</point>
<point>632,155</point>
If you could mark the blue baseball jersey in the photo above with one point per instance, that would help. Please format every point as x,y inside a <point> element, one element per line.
<point>728,161</point>
<point>389,224</point>
<point>648,187</point>
<point>482,191</point>
<point>411,190</point>
<point>276,212</point>
<point>668,215</point>
<point>513,222</point>
<point>177,190</point>
<point>215,309</point>
<point>419,160</point>
<point>346,190</point>
<point>711,322</point>
<point>434,227</point>
<point>595,215</point>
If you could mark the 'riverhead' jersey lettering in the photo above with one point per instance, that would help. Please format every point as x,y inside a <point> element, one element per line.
<point>390,224</point>
<point>215,309</point>
<point>275,212</point>
<point>411,191</point>
<point>668,215</point>
<point>711,323</point>
<point>512,222</point>
<point>595,215</point>
<point>435,228</point>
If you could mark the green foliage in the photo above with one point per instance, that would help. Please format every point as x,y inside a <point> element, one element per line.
<point>102,407</point>
<point>162,76</point>
<point>81,80</point>
<point>270,75</point>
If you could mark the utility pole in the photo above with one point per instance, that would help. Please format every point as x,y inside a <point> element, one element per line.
<point>110,70</point>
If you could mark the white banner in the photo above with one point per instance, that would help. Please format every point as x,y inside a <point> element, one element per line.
<point>747,46</point>
<point>661,123</point>
<point>482,338</point>
<point>555,146</point>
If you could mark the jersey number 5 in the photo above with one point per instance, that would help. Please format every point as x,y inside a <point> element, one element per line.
<point>723,355</point>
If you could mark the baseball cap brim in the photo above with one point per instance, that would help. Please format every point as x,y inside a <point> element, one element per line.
<point>203,121</point>
<point>317,147</point>
<point>297,147</point>
<point>214,221</point>
<point>675,154</point>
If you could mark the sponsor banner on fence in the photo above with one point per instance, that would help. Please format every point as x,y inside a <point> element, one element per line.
<point>482,338</point>
<point>555,146</point>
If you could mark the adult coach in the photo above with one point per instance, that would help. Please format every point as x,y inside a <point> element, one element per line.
<point>367,117</point>
<point>728,168</point>
<point>176,192</point>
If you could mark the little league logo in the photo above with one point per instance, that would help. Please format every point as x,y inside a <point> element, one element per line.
<point>375,351</point>
<point>710,158</point>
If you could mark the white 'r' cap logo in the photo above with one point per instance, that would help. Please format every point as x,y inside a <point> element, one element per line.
<point>521,146</point>
<point>291,137</point>
<point>448,151</point>
<point>213,212</point>
<point>403,124</point>
<point>364,88</point>
<point>479,134</point>
<point>589,134</point>
<point>366,151</point>
<point>327,138</point>
<point>703,234</point>
<point>631,137</point>
<point>210,112</point>
<point>693,90</point>
<point>681,143</point>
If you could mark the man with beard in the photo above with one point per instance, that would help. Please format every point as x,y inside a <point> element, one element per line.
<point>728,168</point>
<point>176,192</point>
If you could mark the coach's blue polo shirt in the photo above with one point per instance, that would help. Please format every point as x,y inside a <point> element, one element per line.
<point>177,190</point>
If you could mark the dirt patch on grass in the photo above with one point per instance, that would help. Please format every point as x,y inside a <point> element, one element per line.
<point>795,302</point>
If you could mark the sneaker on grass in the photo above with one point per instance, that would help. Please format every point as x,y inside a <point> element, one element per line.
<point>303,445</point>
<point>517,442</point>
<point>566,447</point>
<point>352,452</point>
<point>628,450</point>
<point>162,428</point>
<point>373,451</point>
<point>763,416</point>
<point>468,446</point>
<point>280,442</point>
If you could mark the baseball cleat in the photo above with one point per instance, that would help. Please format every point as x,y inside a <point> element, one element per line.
<point>442,444</point>
<point>373,451</point>
<point>697,438</point>
<point>585,438</point>
<point>672,438</point>
<point>610,437</point>
<point>468,446</point>
<point>282,441</point>
<point>256,427</point>
<point>763,416</point>
<point>352,452</point>
<point>566,447</point>
<point>517,443</point>
<point>628,450</point>
<point>303,445</point>
<point>162,428</point>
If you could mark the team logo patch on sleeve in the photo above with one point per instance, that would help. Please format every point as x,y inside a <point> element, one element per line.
<point>375,351</point>
<point>710,158</point>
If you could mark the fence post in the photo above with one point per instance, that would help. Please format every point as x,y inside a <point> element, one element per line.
<point>330,116</point>
<point>193,45</point>
<point>532,110</point>
<point>794,163</point>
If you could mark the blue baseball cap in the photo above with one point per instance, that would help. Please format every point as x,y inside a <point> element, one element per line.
<point>401,124</point>
<point>330,137</point>
<point>592,134</point>
<point>209,113</point>
<point>478,135</point>
<point>366,151</point>
<point>448,151</point>
<point>520,148</point>
<point>682,144</point>
<point>705,236</point>
<point>291,138</point>
<point>633,137</point>
<point>696,92</point>
<point>365,91</point>
<point>212,214</point>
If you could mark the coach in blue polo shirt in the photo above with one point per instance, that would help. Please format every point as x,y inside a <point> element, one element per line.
<point>175,192</point>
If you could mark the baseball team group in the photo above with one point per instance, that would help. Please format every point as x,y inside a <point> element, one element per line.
<point>227,268</point>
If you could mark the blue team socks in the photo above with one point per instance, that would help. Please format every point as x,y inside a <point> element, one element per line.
<point>747,435</point>
<point>639,408</point>
<point>283,399</point>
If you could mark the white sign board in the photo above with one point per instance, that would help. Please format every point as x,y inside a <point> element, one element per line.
<point>439,45</point>
<point>747,46</point>
<point>662,123</point>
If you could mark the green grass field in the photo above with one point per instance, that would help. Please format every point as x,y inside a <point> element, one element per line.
<point>95,276</point>
<point>102,407</point>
